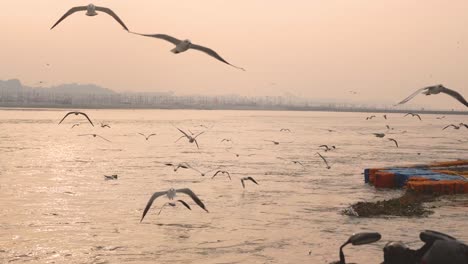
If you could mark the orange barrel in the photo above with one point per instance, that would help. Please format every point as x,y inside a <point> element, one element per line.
<point>384,180</point>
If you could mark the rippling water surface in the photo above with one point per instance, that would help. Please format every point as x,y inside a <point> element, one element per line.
<point>56,207</point>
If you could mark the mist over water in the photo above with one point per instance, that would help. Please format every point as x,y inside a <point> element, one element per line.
<point>55,205</point>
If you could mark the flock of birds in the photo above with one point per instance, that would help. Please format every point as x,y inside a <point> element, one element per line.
<point>184,45</point>
<point>191,138</point>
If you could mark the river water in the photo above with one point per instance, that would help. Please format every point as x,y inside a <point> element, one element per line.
<point>56,207</point>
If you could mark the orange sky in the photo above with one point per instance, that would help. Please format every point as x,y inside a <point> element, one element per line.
<point>318,49</point>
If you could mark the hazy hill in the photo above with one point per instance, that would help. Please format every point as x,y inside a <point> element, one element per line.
<point>14,85</point>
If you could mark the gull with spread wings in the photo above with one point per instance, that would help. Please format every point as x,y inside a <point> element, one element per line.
<point>436,89</point>
<point>414,115</point>
<point>91,11</point>
<point>171,193</point>
<point>147,137</point>
<point>184,45</point>
<point>94,135</point>
<point>191,139</point>
<point>76,113</point>
<point>248,179</point>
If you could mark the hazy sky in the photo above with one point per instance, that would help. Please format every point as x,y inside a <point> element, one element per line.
<point>314,48</point>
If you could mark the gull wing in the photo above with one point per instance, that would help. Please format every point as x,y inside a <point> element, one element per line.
<point>213,54</point>
<point>449,126</point>
<point>194,197</point>
<point>455,95</point>
<point>243,185</point>
<point>112,14</point>
<point>150,135</point>
<point>141,134</point>
<point>161,36</point>
<point>196,142</point>
<point>215,174</point>
<point>323,159</point>
<point>181,131</point>
<point>69,113</point>
<point>69,12</point>
<point>150,202</point>
<point>412,95</point>
<point>252,179</point>
<point>185,204</point>
<point>199,134</point>
<point>81,113</point>
<point>418,116</point>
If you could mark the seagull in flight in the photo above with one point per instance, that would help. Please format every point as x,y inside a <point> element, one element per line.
<point>274,142</point>
<point>248,179</point>
<point>414,115</point>
<point>285,130</point>
<point>436,89</point>
<point>76,113</point>
<point>201,173</point>
<point>324,160</point>
<point>191,139</point>
<point>370,117</point>
<point>94,135</point>
<point>385,116</point>
<point>182,165</point>
<point>170,194</point>
<point>452,125</point>
<point>293,161</point>
<point>105,125</point>
<point>222,172</point>
<point>173,204</point>
<point>396,143</point>
<point>227,140</point>
<point>91,11</point>
<point>327,148</point>
<point>184,45</point>
<point>111,177</point>
<point>379,135</point>
<point>74,125</point>
<point>440,117</point>
<point>147,137</point>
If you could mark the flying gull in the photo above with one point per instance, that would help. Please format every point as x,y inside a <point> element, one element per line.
<point>74,125</point>
<point>248,179</point>
<point>285,130</point>
<point>111,177</point>
<point>379,135</point>
<point>370,117</point>
<point>191,139</point>
<point>182,165</point>
<point>184,45</point>
<point>105,125</point>
<point>414,115</point>
<point>147,137</point>
<point>94,135</point>
<point>222,172</point>
<point>76,113</point>
<point>452,125</point>
<point>436,89</point>
<point>91,11</point>
<point>227,140</point>
<point>293,161</point>
<point>327,148</point>
<point>171,193</point>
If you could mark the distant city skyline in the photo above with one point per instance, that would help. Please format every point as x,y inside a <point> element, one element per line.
<point>384,50</point>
